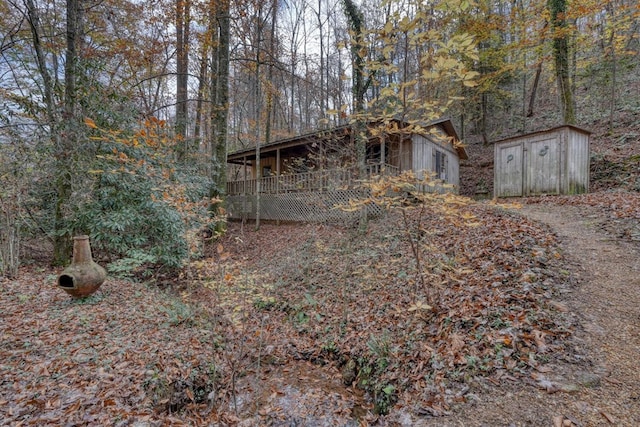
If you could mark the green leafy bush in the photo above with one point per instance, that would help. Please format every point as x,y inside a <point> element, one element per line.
<point>141,211</point>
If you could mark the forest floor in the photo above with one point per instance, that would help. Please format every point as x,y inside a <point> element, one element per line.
<point>598,382</point>
<point>528,316</point>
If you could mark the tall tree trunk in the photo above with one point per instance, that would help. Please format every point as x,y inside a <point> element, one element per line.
<point>258,109</point>
<point>202,85</point>
<point>321,38</point>
<point>484,101</point>
<point>614,67</point>
<point>355,18</point>
<point>534,89</point>
<point>536,78</point>
<point>271,89</point>
<point>613,60</point>
<point>220,41</point>
<point>214,46</point>
<point>222,98</point>
<point>64,149</point>
<point>182,77</point>
<point>558,10</point>
<point>359,128</point>
<point>61,241</point>
<point>64,132</point>
<point>60,248</point>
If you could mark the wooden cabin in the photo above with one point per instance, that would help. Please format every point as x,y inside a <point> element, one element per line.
<point>322,165</point>
<point>553,161</point>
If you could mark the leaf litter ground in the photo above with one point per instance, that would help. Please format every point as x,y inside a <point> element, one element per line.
<point>302,324</point>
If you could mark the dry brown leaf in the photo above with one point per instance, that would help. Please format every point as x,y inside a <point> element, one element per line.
<point>538,337</point>
<point>608,416</point>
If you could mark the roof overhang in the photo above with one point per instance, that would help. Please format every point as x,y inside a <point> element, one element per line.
<point>302,142</point>
<point>543,131</point>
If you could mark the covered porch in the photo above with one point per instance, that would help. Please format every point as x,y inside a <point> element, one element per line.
<point>305,178</point>
<point>313,181</point>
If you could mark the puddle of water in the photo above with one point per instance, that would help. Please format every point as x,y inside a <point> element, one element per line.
<point>299,394</point>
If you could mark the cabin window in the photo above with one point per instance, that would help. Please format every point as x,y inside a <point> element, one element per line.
<point>441,165</point>
<point>266,171</point>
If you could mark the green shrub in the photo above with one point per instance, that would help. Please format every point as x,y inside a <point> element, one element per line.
<point>141,210</point>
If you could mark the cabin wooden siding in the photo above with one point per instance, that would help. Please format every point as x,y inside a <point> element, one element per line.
<point>268,163</point>
<point>555,161</point>
<point>271,163</point>
<point>438,158</point>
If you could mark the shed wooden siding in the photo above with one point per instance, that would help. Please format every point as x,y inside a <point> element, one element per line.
<point>578,168</point>
<point>555,161</point>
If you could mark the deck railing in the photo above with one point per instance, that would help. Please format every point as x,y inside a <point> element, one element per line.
<point>321,180</point>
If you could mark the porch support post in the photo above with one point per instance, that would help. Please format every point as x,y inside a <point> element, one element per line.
<point>244,190</point>
<point>382,154</point>
<point>324,179</point>
<point>244,176</point>
<point>277,171</point>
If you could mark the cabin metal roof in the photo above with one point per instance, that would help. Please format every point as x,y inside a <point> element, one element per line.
<point>301,141</point>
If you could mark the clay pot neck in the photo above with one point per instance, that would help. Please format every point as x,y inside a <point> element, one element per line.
<point>81,250</point>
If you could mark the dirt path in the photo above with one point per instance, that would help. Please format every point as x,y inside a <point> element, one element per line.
<point>599,383</point>
<point>607,301</point>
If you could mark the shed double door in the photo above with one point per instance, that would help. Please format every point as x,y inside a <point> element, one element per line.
<point>509,177</point>
<point>542,166</point>
<point>530,167</point>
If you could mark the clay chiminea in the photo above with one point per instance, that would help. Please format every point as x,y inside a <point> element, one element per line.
<point>83,277</point>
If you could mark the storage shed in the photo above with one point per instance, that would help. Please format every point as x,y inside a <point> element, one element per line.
<point>553,161</point>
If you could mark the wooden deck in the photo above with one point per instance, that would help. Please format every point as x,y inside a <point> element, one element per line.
<point>315,181</point>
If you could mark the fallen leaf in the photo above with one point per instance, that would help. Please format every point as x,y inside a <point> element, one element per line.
<point>538,337</point>
<point>609,417</point>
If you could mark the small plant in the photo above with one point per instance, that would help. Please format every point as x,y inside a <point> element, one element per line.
<point>156,386</point>
<point>419,199</point>
<point>381,350</point>
<point>178,312</point>
<point>265,303</point>
<point>384,398</point>
<point>371,373</point>
<point>204,382</point>
<point>330,347</point>
<point>92,299</point>
<point>133,264</point>
<point>301,319</point>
